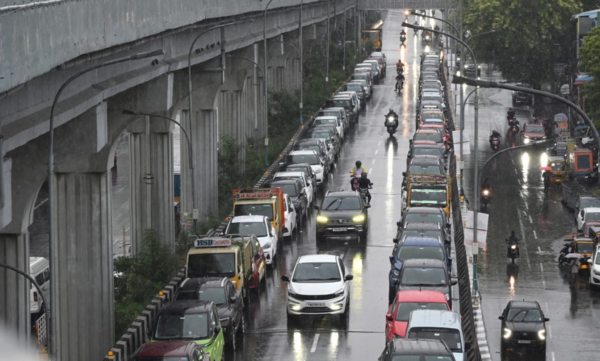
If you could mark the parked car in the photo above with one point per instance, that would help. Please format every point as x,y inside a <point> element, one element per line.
<point>170,350</point>
<point>191,320</point>
<point>320,147</point>
<point>364,82</point>
<point>339,112</point>
<point>329,134</point>
<point>426,164</point>
<point>366,78</point>
<point>306,184</point>
<point>355,96</point>
<point>424,215</point>
<point>308,157</point>
<point>330,120</point>
<point>426,274</point>
<point>438,324</point>
<point>301,167</point>
<point>318,285</point>
<point>342,214</point>
<point>587,215</point>
<point>374,69</point>
<point>532,132</point>
<point>425,230</point>
<point>523,326</point>
<point>429,135</point>
<point>359,89</point>
<point>221,291</point>
<point>39,269</point>
<point>346,101</point>
<point>519,97</point>
<point>261,227</point>
<point>594,263</point>
<point>297,194</point>
<point>421,349</point>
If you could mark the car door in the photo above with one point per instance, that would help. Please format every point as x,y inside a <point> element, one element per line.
<point>234,303</point>
<point>580,219</point>
<point>389,324</point>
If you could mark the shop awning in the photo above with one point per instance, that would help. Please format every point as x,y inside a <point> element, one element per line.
<point>583,80</point>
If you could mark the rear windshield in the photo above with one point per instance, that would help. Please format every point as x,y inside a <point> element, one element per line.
<point>340,203</point>
<point>592,216</point>
<point>421,233</point>
<point>424,277</point>
<point>427,151</point>
<point>356,88</point>
<point>338,103</point>
<point>423,218</point>
<point>433,116</point>
<point>424,169</point>
<point>211,265</point>
<point>316,148</point>
<point>311,159</point>
<point>450,336</point>
<point>258,229</point>
<point>422,358</point>
<point>254,210</point>
<point>319,135</point>
<point>410,252</point>
<point>405,308</point>
<point>589,203</point>
<point>331,121</point>
<point>530,128</point>
<point>436,137</point>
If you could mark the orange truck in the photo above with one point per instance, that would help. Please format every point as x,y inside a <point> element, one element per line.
<point>261,202</point>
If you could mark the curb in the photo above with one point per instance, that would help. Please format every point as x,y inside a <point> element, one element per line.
<point>480,330</point>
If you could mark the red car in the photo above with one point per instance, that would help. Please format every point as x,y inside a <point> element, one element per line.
<point>532,132</point>
<point>430,134</point>
<point>396,320</point>
<point>170,350</point>
<point>440,128</point>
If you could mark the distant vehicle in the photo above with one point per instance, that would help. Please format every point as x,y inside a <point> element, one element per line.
<point>421,349</point>
<point>311,158</point>
<point>519,97</point>
<point>39,269</point>
<point>261,228</point>
<point>523,327</point>
<point>407,301</point>
<point>318,285</point>
<point>170,350</point>
<point>197,321</point>
<point>342,214</point>
<point>438,324</point>
<point>221,291</point>
<point>375,34</point>
<point>533,132</point>
<point>470,68</point>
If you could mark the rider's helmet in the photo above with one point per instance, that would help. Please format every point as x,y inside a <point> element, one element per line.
<point>363,175</point>
<point>510,109</point>
<point>512,233</point>
<point>358,164</point>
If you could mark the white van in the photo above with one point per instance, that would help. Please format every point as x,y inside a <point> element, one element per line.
<point>441,325</point>
<point>39,269</point>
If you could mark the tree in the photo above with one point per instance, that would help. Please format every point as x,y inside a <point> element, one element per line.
<point>590,59</point>
<point>533,35</point>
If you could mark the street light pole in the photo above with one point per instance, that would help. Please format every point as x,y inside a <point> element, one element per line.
<point>328,39</point>
<point>266,85</point>
<point>301,74</point>
<point>52,246</point>
<point>300,31</point>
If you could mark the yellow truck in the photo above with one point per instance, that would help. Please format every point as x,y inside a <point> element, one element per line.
<point>261,202</point>
<point>427,190</point>
<point>235,256</point>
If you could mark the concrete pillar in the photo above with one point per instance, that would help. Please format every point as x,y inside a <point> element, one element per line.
<point>83,301</point>
<point>186,177</point>
<point>14,294</point>
<point>205,134</point>
<point>151,181</point>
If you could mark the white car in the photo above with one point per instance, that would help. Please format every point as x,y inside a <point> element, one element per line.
<point>261,228</point>
<point>587,215</point>
<point>310,157</point>
<point>594,262</point>
<point>289,214</point>
<point>39,269</point>
<point>329,119</point>
<point>306,183</point>
<point>318,285</point>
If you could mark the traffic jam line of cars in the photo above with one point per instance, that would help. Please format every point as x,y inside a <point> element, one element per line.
<point>206,313</point>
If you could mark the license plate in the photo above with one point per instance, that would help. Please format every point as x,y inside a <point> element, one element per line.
<point>524,341</point>
<point>315,304</point>
<point>339,229</point>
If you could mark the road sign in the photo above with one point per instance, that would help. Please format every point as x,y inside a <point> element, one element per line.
<point>186,219</point>
<point>212,242</point>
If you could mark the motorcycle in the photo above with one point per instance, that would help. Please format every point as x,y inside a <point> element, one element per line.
<point>391,123</point>
<point>399,85</point>
<point>402,38</point>
<point>495,143</point>
<point>363,194</point>
<point>513,131</point>
<point>486,197</point>
<point>513,251</point>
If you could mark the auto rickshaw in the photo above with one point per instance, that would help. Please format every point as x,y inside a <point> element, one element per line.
<point>577,245</point>
<point>558,174</point>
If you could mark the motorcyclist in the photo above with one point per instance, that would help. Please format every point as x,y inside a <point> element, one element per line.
<point>486,184</point>
<point>546,176</point>
<point>510,114</point>
<point>356,171</point>
<point>494,134</point>
<point>402,36</point>
<point>391,114</point>
<point>365,183</point>
<point>416,24</point>
<point>513,240</point>
<point>399,66</point>
<point>399,81</point>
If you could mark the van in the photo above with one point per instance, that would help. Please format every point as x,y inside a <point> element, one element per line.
<point>440,325</point>
<point>39,269</point>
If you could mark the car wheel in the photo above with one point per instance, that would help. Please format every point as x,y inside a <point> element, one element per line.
<point>291,319</point>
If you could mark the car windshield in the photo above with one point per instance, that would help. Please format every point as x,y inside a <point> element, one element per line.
<point>315,147</point>
<point>592,216</point>
<point>410,252</point>
<point>589,203</point>
<point>584,247</point>
<point>405,308</point>
<point>258,229</point>
<point>214,294</point>
<point>433,115</point>
<point>423,218</point>
<point>178,327</point>
<point>534,128</point>
<point>320,135</point>
<point>424,169</point>
<point>316,272</point>
<point>436,137</point>
<point>319,121</point>
<point>290,189</point>
<point>427,151</point>
<point>558,166</point>
<point>360,76</point>
<point>524,315</point>
<point>423,277</point>
<point>211,265</point>
<point>450,336</point>
<point>341,203</point>
<point>356,88</point>
<point>422,358</point>
<point>428,196</point>
<point>254,210</point>
<point>311,159</point>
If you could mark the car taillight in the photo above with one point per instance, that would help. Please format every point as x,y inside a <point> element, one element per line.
<point>35,296</point>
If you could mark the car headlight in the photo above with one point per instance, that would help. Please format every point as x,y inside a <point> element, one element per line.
<point>267,245</point>
<point>390,118</point>
<point>322,219</point>
<point>507,333</point>
<point>478,66</point>
<point>339,293</point>
<point>360,218</point>
<point>335,307</point>
<point>542,334</point>
<point>296,308</point>
<point>527,140</point>
<point>465,66</point>
<point>513,247</point>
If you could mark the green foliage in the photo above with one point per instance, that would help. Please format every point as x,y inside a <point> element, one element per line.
<point>533,35</point>
<point>140,278</point>
<point>590,60</point>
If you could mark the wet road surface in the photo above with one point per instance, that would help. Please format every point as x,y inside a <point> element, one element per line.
<point>268,335</point>
<point>540,222</point>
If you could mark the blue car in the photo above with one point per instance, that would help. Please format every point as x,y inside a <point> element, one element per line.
<point>413,248</point>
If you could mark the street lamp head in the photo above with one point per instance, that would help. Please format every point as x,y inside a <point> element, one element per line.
<point>456,79</point>
<point>406,12</point>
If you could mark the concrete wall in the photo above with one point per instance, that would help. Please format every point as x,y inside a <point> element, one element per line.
<point>38,38</point>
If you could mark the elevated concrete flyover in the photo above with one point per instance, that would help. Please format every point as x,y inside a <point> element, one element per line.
<point>45,43</point>
<point>403,4</point>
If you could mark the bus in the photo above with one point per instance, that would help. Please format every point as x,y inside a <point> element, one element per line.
<point>375,34</point>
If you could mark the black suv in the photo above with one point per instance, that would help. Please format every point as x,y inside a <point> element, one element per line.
<point>342,214</point>
<point>221,291</point>
<point>523,326</point>
<point>522,97</point>
<point>416,349</point>
<point>297,194</point>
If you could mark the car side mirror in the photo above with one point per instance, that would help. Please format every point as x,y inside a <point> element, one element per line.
<point>404,174</point>
<point>395,240</point>
<point>501,318</point>
<point>454,282</point>
<point>546,319</point>
<point>448,226</point>
<point>349,277</point>
<point>388,317</point>
<point>285,278</point>
<point>217,329</point>
<point>367,206</point>
<point>392,259</point>
<point>450,260</point>
<point>399,224</point>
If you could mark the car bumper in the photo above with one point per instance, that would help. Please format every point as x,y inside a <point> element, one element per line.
<point>268,255</point>
<point>319,177</point>
<point>516,343</point>
<point>594,279</point>
<point>287,230</point>
<point>334,306</point>
<point>343,230</point>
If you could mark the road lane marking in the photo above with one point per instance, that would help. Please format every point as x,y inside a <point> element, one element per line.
<point>530,220</point>
<point>378,144</point>
<point>373,161</point>
<point>377,151</point>
<point>543,279</point>
<point>547,308</point>
<point>553,359</point>
<point>524,242</point>
<point>314,345</point>
<point>534,234</point>
<point>539,249</point>
<point>550,331</point>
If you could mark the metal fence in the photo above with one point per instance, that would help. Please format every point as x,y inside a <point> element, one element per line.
<point>41,334</point>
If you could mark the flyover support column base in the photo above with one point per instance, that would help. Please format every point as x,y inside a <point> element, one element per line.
<point>83,296</point>
<point>15,314</point>
<point>205,135</point>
